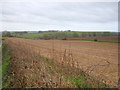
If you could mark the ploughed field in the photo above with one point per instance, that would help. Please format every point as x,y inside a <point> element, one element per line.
<point>104,38</point>
<point>97,59</point>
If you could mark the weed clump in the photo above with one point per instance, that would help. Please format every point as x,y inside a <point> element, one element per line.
<point>64,39</point>
<point>95,40</point>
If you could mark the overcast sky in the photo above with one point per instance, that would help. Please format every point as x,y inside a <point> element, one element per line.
<point>78,16</point>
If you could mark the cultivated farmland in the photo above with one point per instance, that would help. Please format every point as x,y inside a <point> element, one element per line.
<point>62,63</point>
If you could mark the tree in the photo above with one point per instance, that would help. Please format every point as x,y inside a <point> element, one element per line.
<point>6,34</point>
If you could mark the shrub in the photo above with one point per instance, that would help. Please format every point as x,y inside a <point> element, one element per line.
<point>95,40</point>
<point>64,39</point>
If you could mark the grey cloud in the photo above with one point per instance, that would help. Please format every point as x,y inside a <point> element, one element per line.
<point>62,14</point>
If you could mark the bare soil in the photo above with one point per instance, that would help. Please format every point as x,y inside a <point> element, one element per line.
<point>102,38</point>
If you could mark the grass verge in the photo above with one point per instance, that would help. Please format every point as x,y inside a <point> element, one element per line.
<point>5,62</point>
<point>78,81</point>
<point>2,39</point>
<point>75,76</point>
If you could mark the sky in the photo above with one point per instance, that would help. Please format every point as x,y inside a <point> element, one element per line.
<point>75,16</point>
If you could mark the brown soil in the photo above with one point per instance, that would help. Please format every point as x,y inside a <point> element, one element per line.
<point>102,38</point>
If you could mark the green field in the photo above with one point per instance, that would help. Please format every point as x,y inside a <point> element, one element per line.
<point>31,35</point>
<point>67,35</point>
<point>63,33</point>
